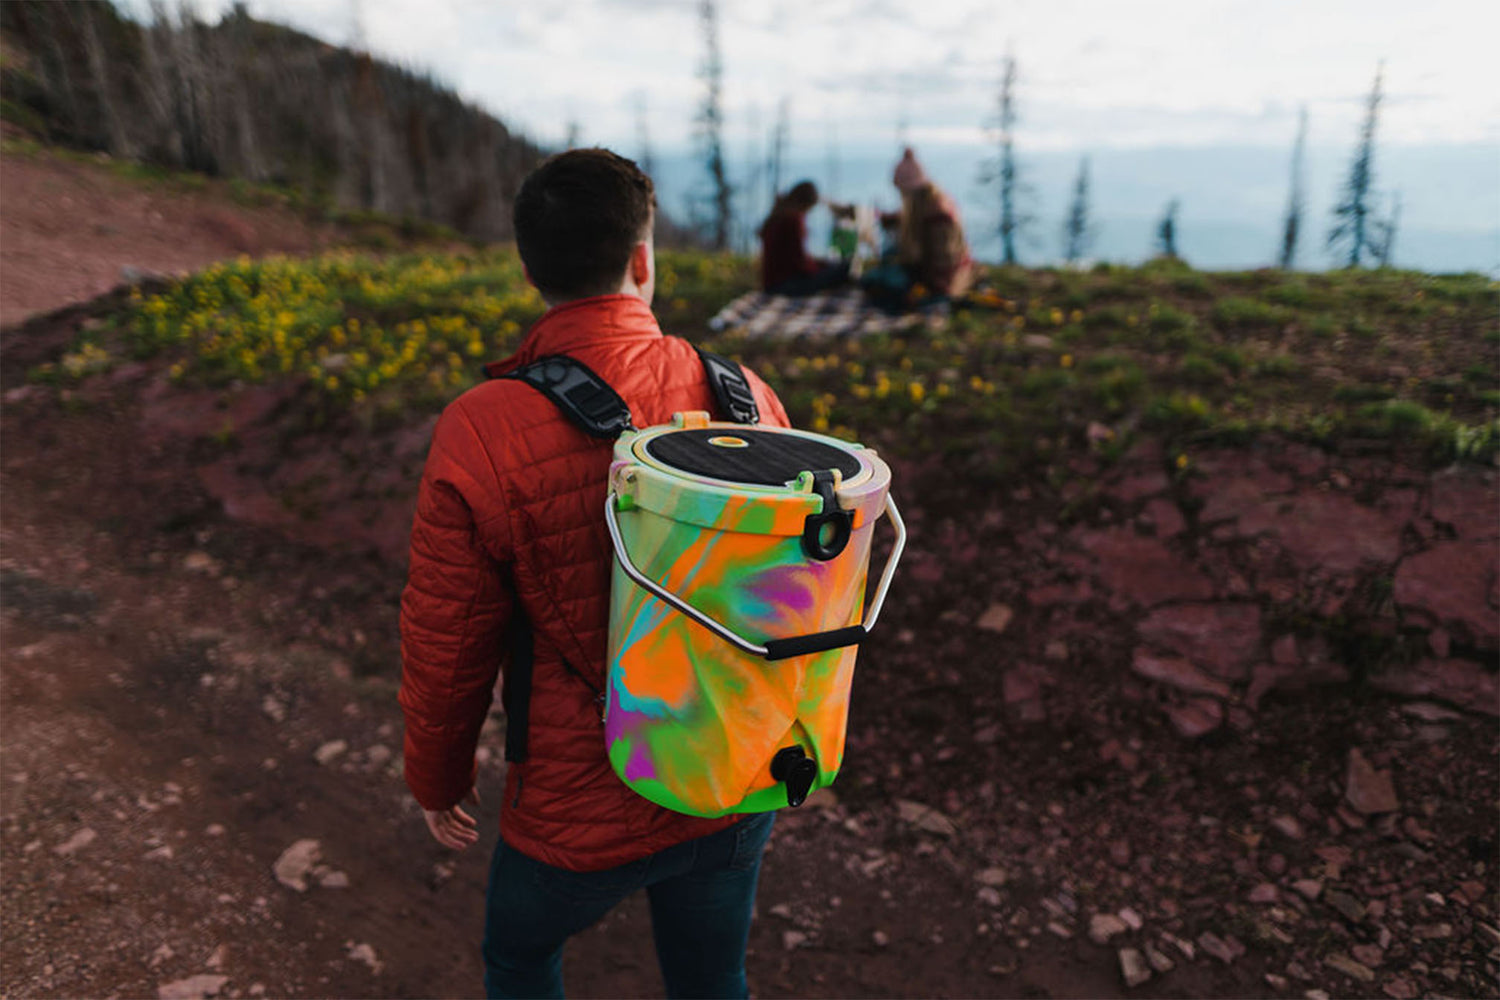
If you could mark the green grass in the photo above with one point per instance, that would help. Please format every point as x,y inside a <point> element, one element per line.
<point>1189,356</point>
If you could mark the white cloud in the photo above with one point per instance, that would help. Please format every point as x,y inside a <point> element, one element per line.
<point>1093,72</point>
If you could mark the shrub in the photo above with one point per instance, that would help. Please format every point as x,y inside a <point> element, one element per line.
<point>1278,365</point>
<point>1358,393</point>
<point>1178,411</point>
<point>1396,417</point>
<point>1046,382</point>
<point>1236,312</point>
<point>1109,317</point>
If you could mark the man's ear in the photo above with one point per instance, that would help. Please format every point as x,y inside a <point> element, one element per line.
<point>640,264</point>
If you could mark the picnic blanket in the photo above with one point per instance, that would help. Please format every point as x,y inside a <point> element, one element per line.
<point>840,312</point>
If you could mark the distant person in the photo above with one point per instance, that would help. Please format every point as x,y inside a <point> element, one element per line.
<point>785,267</point>
<point>510,557</point>
<point>930,240</point>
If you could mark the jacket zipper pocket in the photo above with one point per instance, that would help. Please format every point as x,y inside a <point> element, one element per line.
<point>516,802</point>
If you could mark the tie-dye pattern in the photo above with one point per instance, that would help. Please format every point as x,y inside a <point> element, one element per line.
<point>691,721</point>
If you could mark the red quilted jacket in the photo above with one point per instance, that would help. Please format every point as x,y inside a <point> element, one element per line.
<point>511,512</point>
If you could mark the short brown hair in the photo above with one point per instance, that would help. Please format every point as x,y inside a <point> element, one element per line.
<point>577,217</point>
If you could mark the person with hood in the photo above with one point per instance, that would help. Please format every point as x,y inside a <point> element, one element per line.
<point>930,240</point>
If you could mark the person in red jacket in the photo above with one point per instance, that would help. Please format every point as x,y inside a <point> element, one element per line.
<point>785,267</point>
<point>510,557</point>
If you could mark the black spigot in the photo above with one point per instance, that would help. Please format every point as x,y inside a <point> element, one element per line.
<point>793,766</point>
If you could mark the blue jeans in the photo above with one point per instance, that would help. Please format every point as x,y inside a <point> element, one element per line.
<point>701,893</point>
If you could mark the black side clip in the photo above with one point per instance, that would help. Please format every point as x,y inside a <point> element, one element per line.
<point>825,535</point>
<point>584,398</point>
<point>731,388</point>
<point>793,766</point>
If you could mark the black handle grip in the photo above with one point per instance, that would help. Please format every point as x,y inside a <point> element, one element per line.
<point>816,642</point>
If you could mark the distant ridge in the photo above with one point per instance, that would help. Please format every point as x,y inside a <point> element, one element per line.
<point>249,99</point>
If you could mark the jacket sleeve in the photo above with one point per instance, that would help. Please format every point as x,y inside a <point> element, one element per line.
<point>454,612</point>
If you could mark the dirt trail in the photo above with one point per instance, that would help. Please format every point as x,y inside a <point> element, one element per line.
<point>71,230</point>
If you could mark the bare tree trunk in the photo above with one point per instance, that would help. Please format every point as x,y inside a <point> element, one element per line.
<point>116,140</point>
<point>163,138</point>
<point>711,125</point>
<point>59,71</point>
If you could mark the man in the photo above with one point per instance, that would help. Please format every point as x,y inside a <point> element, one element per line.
<point>510,553</point>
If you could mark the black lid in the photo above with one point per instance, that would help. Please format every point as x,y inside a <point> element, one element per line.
<point>746,455</point>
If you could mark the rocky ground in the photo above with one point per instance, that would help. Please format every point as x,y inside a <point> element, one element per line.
<point>1217,726</point>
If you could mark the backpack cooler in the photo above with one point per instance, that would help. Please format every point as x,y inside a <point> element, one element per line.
<point>737,598</point>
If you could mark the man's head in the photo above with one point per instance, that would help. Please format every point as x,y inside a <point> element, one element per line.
<point>583,225</point>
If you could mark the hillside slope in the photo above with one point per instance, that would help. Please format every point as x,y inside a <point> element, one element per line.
<point>72,227</point>
<point>262,102</point>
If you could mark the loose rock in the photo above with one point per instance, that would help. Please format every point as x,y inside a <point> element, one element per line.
<point>1196,718</point>
<point>1287,826</point>
<point>1264,893</point>
<point>996,618</point>
<point>1400,988</point>
<point>1225,949</point>
<point>1349,967</point>
<point>1133,967</point>
<point>925,817</point>
<point>291,869</point>
<point>1369,791</point>
<point>992,877</point>
<point>192,988</point>
<point>1352,909</point>
<point>1103,926</point>
<point>333,880</point>
<point>75,843</point>
<point>1309,888</point>
<point>366,954</point>
<point>1176,672</point>
<point>330,751</point>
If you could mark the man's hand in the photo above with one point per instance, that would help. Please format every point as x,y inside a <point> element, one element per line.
<point>453,827</point>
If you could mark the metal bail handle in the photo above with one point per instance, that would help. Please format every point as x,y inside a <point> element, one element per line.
<point>774,649</point>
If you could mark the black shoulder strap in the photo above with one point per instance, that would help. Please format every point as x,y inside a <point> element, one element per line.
<point>596,409</point>
<point>585,398</point>
<point>730,387</point>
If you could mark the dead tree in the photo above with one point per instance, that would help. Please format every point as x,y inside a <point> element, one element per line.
<point>1352,223</point>
<point>1294,205</point>
<point>710,126</point>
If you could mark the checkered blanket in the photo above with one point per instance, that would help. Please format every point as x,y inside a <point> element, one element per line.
<point>840,312</point>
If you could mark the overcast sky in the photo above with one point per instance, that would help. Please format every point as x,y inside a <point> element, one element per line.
<point>1094,73</point>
